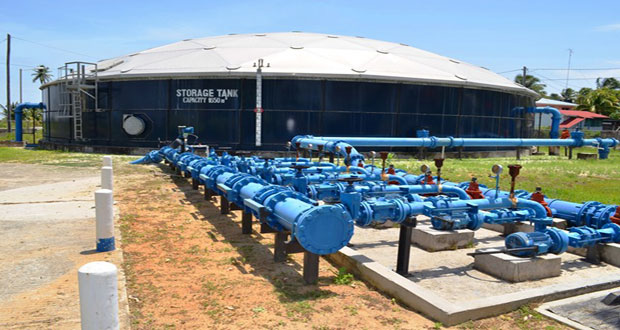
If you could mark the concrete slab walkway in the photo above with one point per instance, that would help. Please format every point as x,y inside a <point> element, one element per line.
<point>47,220</point>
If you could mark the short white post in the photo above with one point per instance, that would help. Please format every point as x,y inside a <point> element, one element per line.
<point>107,178</point>
<point>98,287</point>
<point>104,211</point>
<point>107,161</point>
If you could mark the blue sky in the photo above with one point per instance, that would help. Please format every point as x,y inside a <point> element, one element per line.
<point>499,35</point>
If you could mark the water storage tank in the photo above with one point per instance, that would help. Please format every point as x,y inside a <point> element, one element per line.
<point>311,84</point>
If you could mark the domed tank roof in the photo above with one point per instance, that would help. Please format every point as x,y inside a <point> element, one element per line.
<point>306,55</point>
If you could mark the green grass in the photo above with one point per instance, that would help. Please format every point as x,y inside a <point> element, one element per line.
<point>343,277</point>
<point>572,180</point>
<point>53,157</point>
<point>26,136</point>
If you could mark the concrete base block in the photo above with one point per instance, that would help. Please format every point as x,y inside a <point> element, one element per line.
<point>515,269</point>
<point>609,253</point>
<point>433,240</point>
<point>509,228</point>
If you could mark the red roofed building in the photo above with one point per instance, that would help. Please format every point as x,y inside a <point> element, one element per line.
<point>571,119</point>
<point>582,119</point>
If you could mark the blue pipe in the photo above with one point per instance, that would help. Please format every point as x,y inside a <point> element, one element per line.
<point>577,140</point>
<point>19,110</point>
<point>591,214</point>
<point>152,157</point>
<point>556,118</point>
<point>320,229</point>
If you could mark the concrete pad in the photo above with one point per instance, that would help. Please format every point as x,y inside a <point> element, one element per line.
<point>439,240</point>
<point>587,311</point>
<point>516,269</point>
<point>446,287</point>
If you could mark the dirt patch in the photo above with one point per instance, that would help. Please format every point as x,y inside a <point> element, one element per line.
<point>188,266</point>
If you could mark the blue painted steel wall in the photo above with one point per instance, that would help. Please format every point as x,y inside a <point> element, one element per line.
<point>292,107</point>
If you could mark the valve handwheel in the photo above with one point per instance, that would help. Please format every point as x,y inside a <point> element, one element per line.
<point>299,167</point>
<point>351,179</point>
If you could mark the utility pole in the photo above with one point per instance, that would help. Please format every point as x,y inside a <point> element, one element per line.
<point>8,82</point>
<point>523,76</point>
<point>570,54</point>
<point>20,85</point>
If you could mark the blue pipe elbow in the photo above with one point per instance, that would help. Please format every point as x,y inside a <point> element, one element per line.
<point>19,110</point>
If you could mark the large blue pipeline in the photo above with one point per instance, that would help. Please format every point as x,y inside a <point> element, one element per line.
<point>330,143</point>
<point>19,110</point>
<point>283,192</point>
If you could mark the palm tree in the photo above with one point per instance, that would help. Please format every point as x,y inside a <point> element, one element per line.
<point>611,83</point>
<point>603,101</point>
<point>42,74</point>
<point>569,95</point>
<point>532,83</point>
<point>583,91</point>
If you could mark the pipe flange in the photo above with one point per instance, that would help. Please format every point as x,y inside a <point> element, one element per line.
<point>324,229</point>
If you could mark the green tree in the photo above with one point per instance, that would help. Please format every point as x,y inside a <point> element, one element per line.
<point>603,101</point>
<point>532,83</point>
<point>555,96</point>
<point>611,83</point>
<point>569,94</point>
<point>584,91</point>
<point>42,74</point>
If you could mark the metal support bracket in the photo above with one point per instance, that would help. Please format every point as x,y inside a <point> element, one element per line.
<point>195,184</point>
<point>279,249</point>
<point>311,268</point>
<point>208,193</point>
<point>246,223</point>
<point>282,248</point>
<point>404,246</point>
<point>593,254</point>
<point>224,205</point>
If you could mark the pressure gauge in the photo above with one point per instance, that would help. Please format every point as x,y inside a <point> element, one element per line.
<point>497,169</point>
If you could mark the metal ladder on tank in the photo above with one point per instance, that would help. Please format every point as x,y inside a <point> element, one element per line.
<point>77,84</point>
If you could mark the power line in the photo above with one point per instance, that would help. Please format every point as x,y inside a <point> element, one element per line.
<point>509,71</point>
<point>574,69</point>
<point>53,47</point>
<point>556,85</point>
<point>559,69</point>
<point>592,78</point>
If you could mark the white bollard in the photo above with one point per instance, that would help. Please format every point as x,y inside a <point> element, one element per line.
<point>104,211</point>
<point>107,161</point>
<point>98,287</point>
<point>107,178</point>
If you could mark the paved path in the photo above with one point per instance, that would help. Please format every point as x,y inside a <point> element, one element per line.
<point>48,232</point>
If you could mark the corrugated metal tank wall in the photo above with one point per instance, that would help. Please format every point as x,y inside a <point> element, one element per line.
<point>225,116</point>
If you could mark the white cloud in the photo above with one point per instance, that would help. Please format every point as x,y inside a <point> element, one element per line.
<point>608,27</point>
